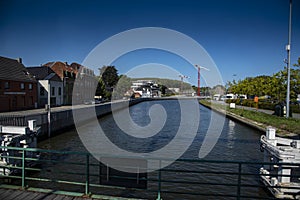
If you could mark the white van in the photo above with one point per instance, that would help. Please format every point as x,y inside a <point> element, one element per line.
<point>230,96</point>
<point>242,96</point>
<point>217,97</point>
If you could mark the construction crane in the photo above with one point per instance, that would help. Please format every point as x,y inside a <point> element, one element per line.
<point>199,67</point>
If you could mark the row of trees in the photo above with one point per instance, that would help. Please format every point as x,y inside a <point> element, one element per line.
<point>274,86</point>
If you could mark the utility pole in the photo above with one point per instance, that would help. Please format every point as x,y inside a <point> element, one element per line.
<point>288,49</point>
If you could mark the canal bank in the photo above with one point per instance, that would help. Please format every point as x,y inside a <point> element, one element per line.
<point>228,112</point>
<point>62,117</point>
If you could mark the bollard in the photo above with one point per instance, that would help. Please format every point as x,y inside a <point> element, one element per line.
<point>271,133</point>
<point>32,124</point>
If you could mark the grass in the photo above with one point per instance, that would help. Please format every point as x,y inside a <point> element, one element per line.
<point>290,125</point>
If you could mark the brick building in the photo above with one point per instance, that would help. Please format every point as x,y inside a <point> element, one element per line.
<point>18,89</point>
<point>68,74</point>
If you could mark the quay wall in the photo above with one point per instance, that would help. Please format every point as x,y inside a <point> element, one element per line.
<point>62,117</point>
<point>62,120</point>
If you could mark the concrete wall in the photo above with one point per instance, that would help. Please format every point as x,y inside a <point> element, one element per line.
<point>63,120</point>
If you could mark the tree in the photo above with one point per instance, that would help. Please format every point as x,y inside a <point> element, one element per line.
<point>274,86</point>
<point>109,75</point>
<point>123,86</point>
<point>101,91</point>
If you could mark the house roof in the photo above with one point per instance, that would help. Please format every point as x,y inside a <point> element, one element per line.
<point>11,69</point>
<point>43,73</point>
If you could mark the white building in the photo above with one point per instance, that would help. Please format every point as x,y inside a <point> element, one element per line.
<point>48,79</point>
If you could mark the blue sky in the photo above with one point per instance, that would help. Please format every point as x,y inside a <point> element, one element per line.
<point>243,37</point>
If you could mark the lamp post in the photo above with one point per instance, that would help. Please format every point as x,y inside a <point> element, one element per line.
<point>199,67</point>
<point>49,109</point>
<point>288,49</point>
<point>182,77</point>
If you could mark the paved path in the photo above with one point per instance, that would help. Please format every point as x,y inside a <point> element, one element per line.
<point>295,115</point>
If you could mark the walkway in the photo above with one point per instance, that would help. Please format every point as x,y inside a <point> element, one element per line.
<point>33,194</point>
<point>11,194</point>
<point>295,115</point>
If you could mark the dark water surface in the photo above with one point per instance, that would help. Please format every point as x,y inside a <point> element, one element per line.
<point>237,142</point>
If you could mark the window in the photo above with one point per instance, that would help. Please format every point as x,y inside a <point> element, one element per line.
<point>42,91</point>
<point>30,86</point>
<point>53,91</point>
<point>6,85</point>
<point>22,86</point>
<point>59,91</point>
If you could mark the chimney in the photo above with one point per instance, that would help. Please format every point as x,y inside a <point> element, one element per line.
<point>19,60</point>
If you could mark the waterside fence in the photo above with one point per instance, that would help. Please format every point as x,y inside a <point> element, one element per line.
<point>80,174</point>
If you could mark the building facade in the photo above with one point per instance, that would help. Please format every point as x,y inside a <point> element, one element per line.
<point>18,89</point>
<point>85,84</point>
<point>48,80</point>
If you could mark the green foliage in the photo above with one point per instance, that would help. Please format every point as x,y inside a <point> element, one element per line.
<point>274,86</point>
<point>100,91</point>
<point>122,87</point>
<point>109,75</point>
<point>287,124</point>
<point>262,104</point>
<point>109,78</point>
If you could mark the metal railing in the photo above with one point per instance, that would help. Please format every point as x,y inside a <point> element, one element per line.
<point>13,120</point>
<point>81,173</point>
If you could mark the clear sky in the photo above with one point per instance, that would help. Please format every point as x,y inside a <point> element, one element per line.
<point>243,37</point>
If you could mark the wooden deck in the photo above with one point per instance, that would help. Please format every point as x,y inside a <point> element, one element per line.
<point>7,193</point>
<point>12,194</point>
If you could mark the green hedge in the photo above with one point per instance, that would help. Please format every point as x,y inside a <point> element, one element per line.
<point>261,104</point>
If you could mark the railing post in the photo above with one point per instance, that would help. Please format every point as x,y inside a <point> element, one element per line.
<point>23,168</point>
<point>87,175</point>
<point>159,182</point>
<point>100,173</point>
<point>239,181</point>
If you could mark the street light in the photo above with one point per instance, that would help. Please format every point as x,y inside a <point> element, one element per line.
<point>182,77</point>
<point>199,67</point>
<point>49,109</point>
<point>288,49</point>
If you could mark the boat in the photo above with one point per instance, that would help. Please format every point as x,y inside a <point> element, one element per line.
<point>280,173</point>
<point>17,136</point>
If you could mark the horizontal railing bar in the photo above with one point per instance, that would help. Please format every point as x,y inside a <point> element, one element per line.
<point>54,181</point>
<point>148,158</point>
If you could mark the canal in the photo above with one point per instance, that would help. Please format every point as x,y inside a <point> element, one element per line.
<point>237,142</point>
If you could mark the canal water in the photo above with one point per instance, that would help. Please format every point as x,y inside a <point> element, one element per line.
<point>237,142</point>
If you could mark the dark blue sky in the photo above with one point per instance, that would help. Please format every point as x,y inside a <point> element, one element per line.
<point>243,37</point>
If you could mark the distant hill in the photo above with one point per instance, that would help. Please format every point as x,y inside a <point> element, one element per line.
<point>169,83</point>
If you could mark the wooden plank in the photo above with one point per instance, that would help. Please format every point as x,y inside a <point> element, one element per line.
<point>59,197</point>
<point>68,198</point>
<point>14,194</point>
<point>41,196</point>
<point>24,195</point>
<point>5,193</point>
<point>50,197</point>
